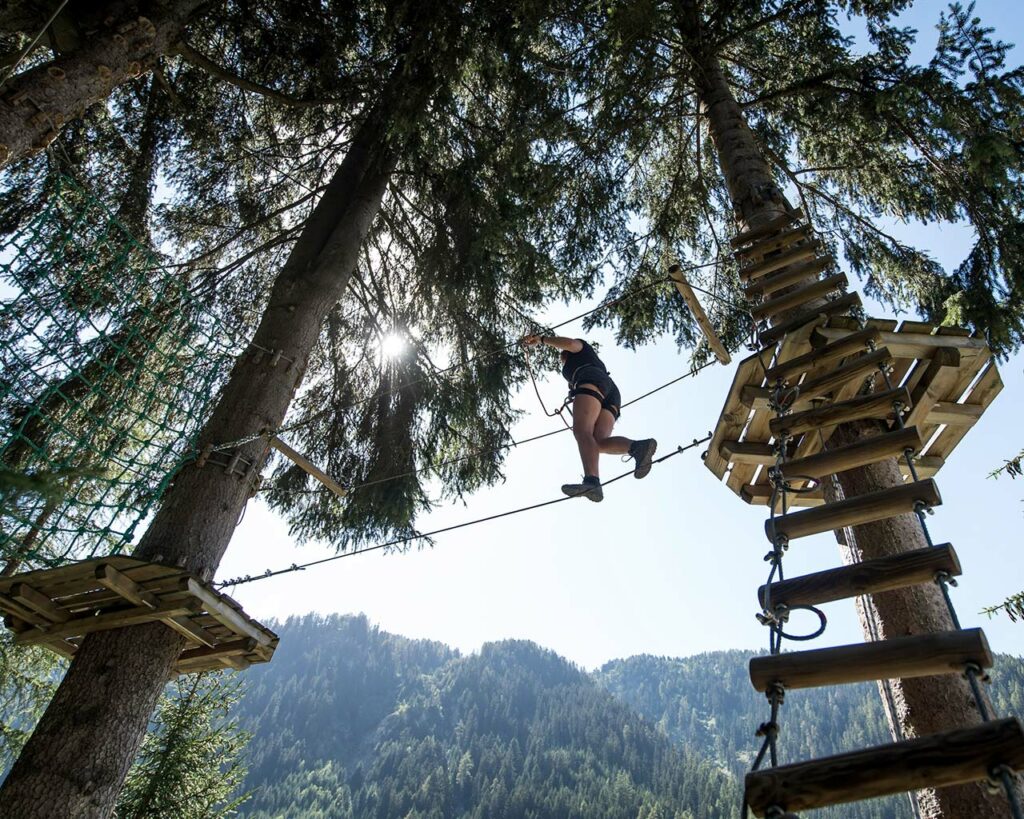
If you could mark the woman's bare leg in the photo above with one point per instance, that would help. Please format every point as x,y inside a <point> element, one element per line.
<point>585,412</point>
<point>606,442</point>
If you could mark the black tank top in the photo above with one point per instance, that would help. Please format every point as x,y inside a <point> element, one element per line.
<point>584,358</point>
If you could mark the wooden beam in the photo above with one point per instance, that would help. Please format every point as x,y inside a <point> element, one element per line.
<point>767,229</point>
<point>127,588</point>
<point>917,345</point>
<point>757,398</point>
<point>683,286</point>
<point>794,298</point>
<point>791,370</point>
<point>309,467</point>
<point>767,286</point>
<point>793,255</point>
<point>78,626</point>
<point>861,453</point>
<point>39,603</point>
<point>948,412</point>
<point>841,305</point>
<point>733,417</point>
<point>855,371</point>
<point>936,761</point>
<point>193,631</point>
<point>30,616</point>
<point>900,658</point>
<point>940,374</point>
<point>224,613</point>
<point>744,452</point>
<point>869,577</point>
<point>877,405</point>
<point>760,494</point>
<point>982,394</point>
<point>871,506</point>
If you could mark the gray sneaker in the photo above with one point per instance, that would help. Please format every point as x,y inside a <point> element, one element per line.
<point>643,451</point>
<point>589,489</point>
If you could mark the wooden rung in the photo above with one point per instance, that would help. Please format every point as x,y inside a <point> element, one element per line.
<point>683,286</point>
<point>792,255</point>
<point>767,285</point>
<point>863,452</point>
<point>767,229</point>
<point>868,577</point>
<point>936,761</point>
<point>792,369</point>
<point>871,506</point>
<point>877,405</point>
<point>857,370</point>
<point>774,243</point>
<point>840,305</point>
<point>920,655</point>
<point>788,301</point>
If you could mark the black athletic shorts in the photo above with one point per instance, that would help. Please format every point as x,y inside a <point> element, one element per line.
<point>589,374</point>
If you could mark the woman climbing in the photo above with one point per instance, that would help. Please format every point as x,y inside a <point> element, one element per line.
<point>595,409</point>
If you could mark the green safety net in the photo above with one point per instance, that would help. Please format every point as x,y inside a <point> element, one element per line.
<point>109,363</point>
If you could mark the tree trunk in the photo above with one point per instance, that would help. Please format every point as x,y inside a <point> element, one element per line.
<point>926,705</point>
<point>37,102</point>
<point>75,762</point>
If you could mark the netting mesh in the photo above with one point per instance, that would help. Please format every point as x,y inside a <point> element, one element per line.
<point>108,366</point>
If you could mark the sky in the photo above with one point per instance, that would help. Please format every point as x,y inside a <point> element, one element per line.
<point>668,565</point>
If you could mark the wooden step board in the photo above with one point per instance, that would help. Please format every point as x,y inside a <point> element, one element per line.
<point>794,274</point>
<point>790,301</point>
<point>773,244</point>
<point>707,328</point>
<point>868,577</point>
<point>866,508</point>
<point>767,229</point>
<point>792,255</point>
<point>950,758</point>
<point>922,655</point>
<point>790,371</point>
<point>877,405</point>
<point>867,451</point>
<point>843,304</point>
<point>56,608</point>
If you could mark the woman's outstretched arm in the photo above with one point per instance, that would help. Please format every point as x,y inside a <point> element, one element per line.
<point>570,345</point>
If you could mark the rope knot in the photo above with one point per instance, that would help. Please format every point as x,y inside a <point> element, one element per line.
<point>767,729</point>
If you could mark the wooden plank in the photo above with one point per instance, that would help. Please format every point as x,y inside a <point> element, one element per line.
<point>78,626</point>
<point>761,494</point>
<point>309,467</point>
<point>799,253</point>
<point>745,452</point>
<point>916,345</point>
<point>191,630</point>
<point>734,414</point>
<point>30,598</point>
<point>201,656</point>
<point>47,578</point>
<point>948,412</point>
<point>756,398</point>
<point>227,615</point>
<point>127,588</point>
<point>917,327</point>
<point>936,761</point>
<point>982,395</point>
<point>855,371</point>
<point>871,506</point>
<point>818,314</point>
<point>791,370</point>
<point>16,609</point>
<point>863,452</point>
<point>144,573</point>
<point>939,377</point>
<point>714,342</point>
<point>794,298</point>
<point>767,229</point>
<point>869,577</point>
<point>774,243</point>
<point>919,655</point>
<point>766,286</point>
<point>877,405</point>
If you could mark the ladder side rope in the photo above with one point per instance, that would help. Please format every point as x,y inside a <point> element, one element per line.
<point>297,567</point>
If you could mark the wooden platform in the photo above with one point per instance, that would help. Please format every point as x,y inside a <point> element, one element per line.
<point>56,608</point>
<point>948,375</point>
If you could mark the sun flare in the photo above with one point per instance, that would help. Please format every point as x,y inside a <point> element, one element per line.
<point>392,345</point>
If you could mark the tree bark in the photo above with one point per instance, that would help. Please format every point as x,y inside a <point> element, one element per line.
<point>75,762</point>
<point>925,705</point>
<point>37,102</point>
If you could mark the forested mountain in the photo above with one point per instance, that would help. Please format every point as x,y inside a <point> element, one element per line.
<point>350,721</point>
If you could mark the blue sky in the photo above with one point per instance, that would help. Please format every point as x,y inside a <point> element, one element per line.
<point>668,565</point>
